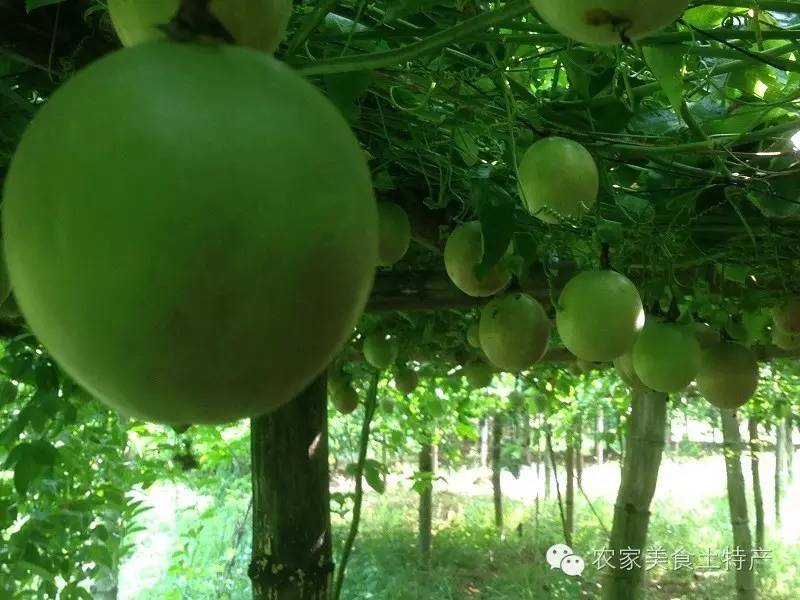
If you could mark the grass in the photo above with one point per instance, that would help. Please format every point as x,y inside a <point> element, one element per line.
<point>470,559</point>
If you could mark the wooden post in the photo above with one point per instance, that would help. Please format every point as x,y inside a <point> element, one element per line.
<point>599,443</point>
<point>569,495</point>
<point>527,450</point>
<point>425,512</point>
<point>579,450</point>
<point>291,557</point>
<point>484,442</point>
<point>758,496</point>
<point>737,502</point>
<point>644,448</point>
<point>497,492</point>
<point>780,439</point>
<point>789,450</point>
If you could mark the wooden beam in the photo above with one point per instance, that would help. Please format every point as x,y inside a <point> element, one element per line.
<point>433,290</point>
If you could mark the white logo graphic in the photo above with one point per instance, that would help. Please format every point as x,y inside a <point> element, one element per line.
<point>556,554</point>
<point>572,565</point>
<point>561,556</point>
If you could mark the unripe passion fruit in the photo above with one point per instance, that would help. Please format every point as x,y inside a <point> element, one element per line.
<point>380,351</point>
<point>406,380</point>
<point>344,398</point>
<point>514,332</point>
<point>394,233</point>
<point>786,315</point>
<point>257,24</point>
<point>462,253</point>
<point>728,375</point>
<point>624,366</point>
<point>478,374</point>
<point>599,315</point>
<point>206,236</point>
<point>608,22</point>
<point>558,178</point>
<point>666,357</point>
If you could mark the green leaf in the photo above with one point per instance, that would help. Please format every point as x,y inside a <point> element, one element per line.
<point>466,146</point>
<point>610,232</point>
<point>16,454</point>
<point>8,393</point>
<point>44,453</point>
<point>666,63</point>
<point>496,214</point>
<point>638,210</point>
<point>344,90</point>
<point>708,17</point>
<point>99,554</point>
<point>31,5</point>
<point>373,471</point>
<point>25,471</point>
<point>736,272</point>
<point>74,592</point>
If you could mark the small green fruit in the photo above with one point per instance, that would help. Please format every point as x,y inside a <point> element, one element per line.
<point>406,380</point>
<point>666,357</point>
<point>624,366</point>
<point>785,341</point>
<point>786,315</point>
<point>606,22</point>
<point>344,398</point>
<point>478,374</point>
<point>514,332</point>
<point>728,375</point>
<point>394,233</point>
<point>558,178</point>
<point>380,351</point>
<point>599,315</point>
<point>462,253</point>
<point>258,24</point>
<point>705,334</point>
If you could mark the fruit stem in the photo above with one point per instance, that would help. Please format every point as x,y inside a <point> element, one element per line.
<point>194,22</point>
<point>605,256</point>
<point>369,412</point>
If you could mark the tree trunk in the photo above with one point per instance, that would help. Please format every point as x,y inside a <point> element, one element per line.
<point>548,479</point>
<point>527,452</point>
<point>497,492</point>
<point>758,497</point>
<point>484,442</point>
<point>780,438</point>
<point>291,522</point>
<point>686,427</point>
<point>434,458</point>
<point>668,431</point>
<point>426,465</point>
<point>789,450</point>
<point>569,495</point>
<point>579,450</point>
<point>737,502</point>
<point>600,442</point>
<point>643,452</point>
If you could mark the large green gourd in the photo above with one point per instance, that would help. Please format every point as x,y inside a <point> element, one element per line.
<point>190,231</point>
